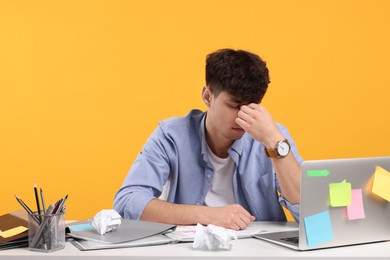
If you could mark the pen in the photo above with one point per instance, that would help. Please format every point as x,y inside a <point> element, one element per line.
<point>43,202</point>
<point>56,206</point>
<point>62,203</point>
<point>27,209</point>
<point>37,200</point>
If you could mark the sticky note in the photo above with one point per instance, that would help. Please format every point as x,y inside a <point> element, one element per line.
<point>13,232</point>
<point>318,228</point>
<point>340,194</point>
<point>81,227</point>
<point>317,173</point>
<point>356,209</point>
<point>381,183</point>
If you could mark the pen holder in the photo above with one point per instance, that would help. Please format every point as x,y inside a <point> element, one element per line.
<point>46,233</point>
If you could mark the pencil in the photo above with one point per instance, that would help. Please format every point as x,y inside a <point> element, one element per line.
<point>43,202</point>
<point>29,211</point>
<point>37,200</point>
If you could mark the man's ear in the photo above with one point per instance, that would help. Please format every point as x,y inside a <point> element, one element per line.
<point>206,95</point>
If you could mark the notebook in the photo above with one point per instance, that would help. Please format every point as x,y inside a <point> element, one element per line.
<point>343,202</point>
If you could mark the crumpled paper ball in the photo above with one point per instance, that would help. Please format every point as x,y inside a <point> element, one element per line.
<point>213,237</point>
<point>106,220</point>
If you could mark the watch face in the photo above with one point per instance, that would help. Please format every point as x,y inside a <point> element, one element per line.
<point>283,148</point>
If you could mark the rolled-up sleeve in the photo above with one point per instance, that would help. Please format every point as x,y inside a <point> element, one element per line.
<point>293,208</point>
<point>145,179</point>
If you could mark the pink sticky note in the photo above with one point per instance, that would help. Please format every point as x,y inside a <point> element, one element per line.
<point>356,209</point>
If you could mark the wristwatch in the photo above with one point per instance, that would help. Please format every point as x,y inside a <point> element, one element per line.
<point>282,148</point>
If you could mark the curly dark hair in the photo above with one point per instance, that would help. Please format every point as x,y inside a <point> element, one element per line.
<point>240,73</point>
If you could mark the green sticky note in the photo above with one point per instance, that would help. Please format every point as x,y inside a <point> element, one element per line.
<point>340,194</point>
<point>317,173</point>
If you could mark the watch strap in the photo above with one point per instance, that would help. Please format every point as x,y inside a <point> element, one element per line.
<point>271,153</point>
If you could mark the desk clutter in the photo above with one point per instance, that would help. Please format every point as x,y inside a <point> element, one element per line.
<point>87,234</point>
<point>45,230</point>
<point>41,230</point>
<point>135,233</point>
<point>19,229</point>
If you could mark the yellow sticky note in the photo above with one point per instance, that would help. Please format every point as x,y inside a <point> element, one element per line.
<point>340,194</point>
<point>381,183</point>
<point>13,232</point>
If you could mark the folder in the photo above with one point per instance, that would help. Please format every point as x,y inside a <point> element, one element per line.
<point>129,230</point>
<point>87,245</point>
<point>8,222</point>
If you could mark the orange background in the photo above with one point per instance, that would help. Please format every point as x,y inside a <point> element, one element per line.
<point>84,83</point>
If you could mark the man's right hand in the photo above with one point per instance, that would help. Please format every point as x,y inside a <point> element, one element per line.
<point>232,216</point>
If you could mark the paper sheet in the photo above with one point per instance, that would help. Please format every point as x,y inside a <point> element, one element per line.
<point>13,232</point>
<point>187,233</point>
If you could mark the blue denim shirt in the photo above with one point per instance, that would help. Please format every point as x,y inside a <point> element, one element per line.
<point>177,152</point>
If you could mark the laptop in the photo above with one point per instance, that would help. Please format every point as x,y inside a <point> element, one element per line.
<point>343,202</point>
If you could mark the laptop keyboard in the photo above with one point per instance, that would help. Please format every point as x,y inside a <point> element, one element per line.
<point>293,240</point>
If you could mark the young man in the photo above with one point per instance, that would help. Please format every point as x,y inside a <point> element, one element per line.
<point>228,166</point>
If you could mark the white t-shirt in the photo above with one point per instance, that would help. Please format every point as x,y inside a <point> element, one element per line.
<point>221,192</point>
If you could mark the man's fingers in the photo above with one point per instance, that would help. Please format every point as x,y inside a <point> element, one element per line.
<point>241,114</point>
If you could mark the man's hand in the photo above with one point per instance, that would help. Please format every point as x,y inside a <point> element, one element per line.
<point>232,216</point>
<point>258,122</point>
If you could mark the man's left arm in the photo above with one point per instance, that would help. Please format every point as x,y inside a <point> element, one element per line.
<point>288,172</point>
<point>258,122</point>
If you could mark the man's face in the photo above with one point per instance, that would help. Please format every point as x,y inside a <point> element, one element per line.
<point>221,117</point>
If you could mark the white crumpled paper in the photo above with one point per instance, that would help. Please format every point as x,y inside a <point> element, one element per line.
<point>106,220</point>
<point>213,237</point>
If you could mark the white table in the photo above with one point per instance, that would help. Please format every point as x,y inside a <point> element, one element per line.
<point>249,248</point>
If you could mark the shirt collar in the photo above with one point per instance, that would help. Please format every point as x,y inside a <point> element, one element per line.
<point>236,147</point>
<point>202,137</point>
